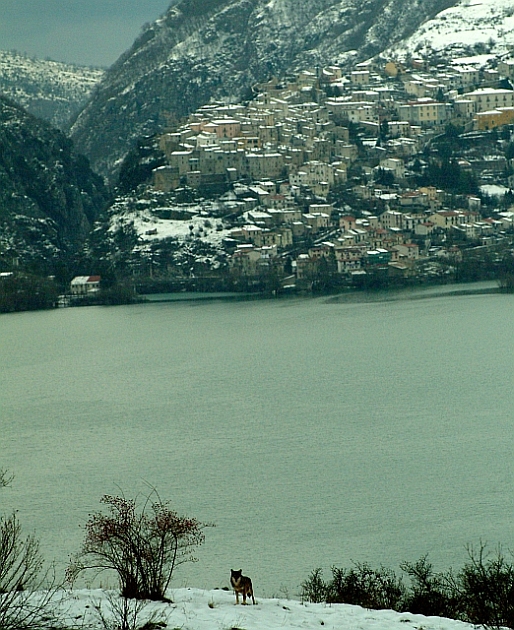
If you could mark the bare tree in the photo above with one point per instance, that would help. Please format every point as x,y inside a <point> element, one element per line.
<point>122,613</point>
<point>25,591</point>
<point>5,478</point>
<point>143,545</point>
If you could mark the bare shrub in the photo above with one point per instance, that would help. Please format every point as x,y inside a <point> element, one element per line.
<point>143,545</point>
<point>315,589</point>
<point>5,478</point>
<point>122,613</point>
<point>481,592</point>
<point>487,584</point>
<point>432,593</point>
<point>365,586</point>
<point>26,592</point>
<point>360,585</point>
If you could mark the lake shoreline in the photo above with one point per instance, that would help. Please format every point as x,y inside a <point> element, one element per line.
<point>352,295</point>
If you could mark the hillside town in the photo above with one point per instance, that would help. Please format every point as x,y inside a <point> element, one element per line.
<point>391,172</point>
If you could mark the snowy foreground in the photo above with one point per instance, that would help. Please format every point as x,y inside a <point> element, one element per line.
<point>194,609</point>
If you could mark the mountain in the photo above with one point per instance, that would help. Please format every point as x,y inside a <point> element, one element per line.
<point>49,196</point>
<point>469,28</point>
<point>218,49</point>
<point>51,90</point>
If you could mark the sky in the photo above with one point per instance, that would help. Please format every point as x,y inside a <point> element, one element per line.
<point>85,32</point>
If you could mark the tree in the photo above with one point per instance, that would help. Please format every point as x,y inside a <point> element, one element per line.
<point>142,545</point>
<point>439,95</point>
<point>509,151</point>
<point>21,575</point>
<point>506,273</point>
<point>448,175</point>
<point>452,131</point>
<point>508,199</point>
<point>26,292</point>
<point>384,129</point>
<point>325,277</point>
<point>384,176</point>
<point>138,165</point>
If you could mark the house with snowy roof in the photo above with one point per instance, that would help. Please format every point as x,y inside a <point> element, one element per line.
<point>85,285</point>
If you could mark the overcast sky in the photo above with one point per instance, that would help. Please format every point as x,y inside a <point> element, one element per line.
<point>87,32</point>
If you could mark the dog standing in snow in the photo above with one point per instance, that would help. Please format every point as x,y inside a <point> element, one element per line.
<point>241,584</point>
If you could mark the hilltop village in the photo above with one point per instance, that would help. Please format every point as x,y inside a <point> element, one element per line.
<point>393,172</point>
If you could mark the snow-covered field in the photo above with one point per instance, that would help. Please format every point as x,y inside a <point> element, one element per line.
<point>194,609</point>
<point>151,228</point>
<point>199,221</point>
<point>494,190</point>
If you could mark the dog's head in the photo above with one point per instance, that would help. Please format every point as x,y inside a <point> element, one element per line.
<point>236,575</point>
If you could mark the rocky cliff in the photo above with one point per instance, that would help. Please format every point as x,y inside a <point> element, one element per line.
<point>49,196</point>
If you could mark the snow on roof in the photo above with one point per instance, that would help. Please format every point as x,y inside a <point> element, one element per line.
<point>488,90</point>
<point>77,280</point>
<point>494,190</point>
<point>473,60</point>
<point>226,121</point>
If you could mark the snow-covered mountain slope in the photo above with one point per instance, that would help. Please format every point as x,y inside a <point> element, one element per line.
<point>51,90</point>
<point>218,49</point>
<point>49,197</point>
<point>468,28</point>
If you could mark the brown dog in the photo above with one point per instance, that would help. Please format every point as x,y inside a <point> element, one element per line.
<point>241,584</point>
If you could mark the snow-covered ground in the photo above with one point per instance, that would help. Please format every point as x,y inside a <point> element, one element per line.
<point>194,609</point>
<point>468,23</point>
<point>49,89</point>
<point>198,221</point>
<point>64,77</point>
<point>494,190</point>
<point>150,228</point>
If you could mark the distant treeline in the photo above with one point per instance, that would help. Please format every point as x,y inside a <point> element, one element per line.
<point>26,292</point>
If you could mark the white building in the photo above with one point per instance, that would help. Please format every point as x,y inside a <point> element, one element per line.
<point>84,285</point>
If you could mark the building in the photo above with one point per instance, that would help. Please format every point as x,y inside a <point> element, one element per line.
<point>494,118</point>
<point>425,112</point>
<point>486,99</point>
<point>85,285</point>
<point>227,128</point>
